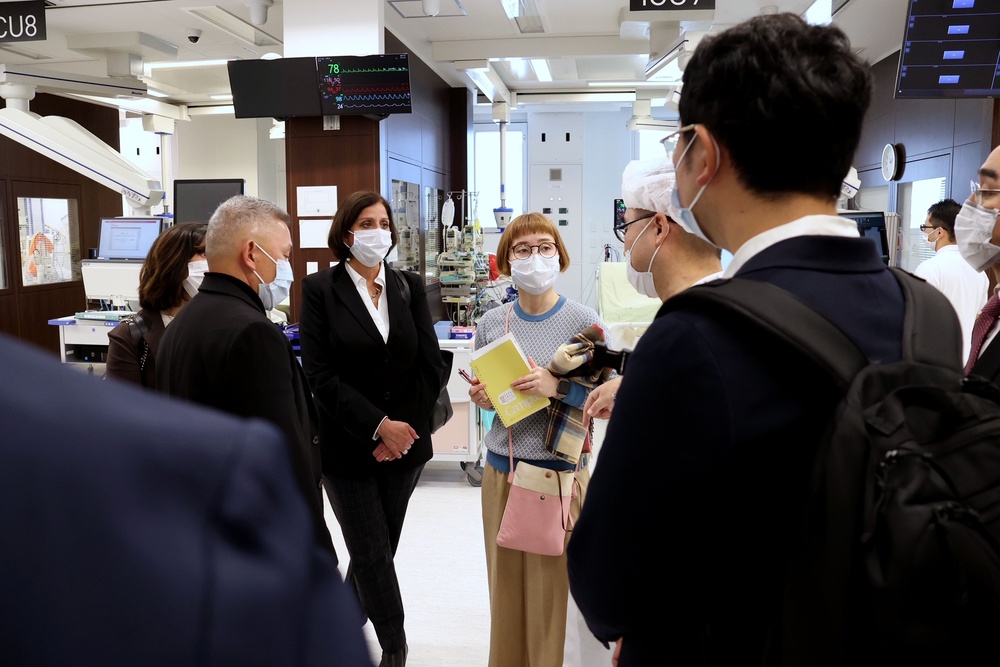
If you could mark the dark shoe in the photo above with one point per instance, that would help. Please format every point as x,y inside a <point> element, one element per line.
<point>397,659</point>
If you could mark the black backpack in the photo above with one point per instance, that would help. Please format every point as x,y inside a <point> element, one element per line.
<point>897,558</point>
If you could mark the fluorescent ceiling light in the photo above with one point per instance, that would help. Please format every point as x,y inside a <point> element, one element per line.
<point>211,111</point>
<point>156,93</point>
<point>819,13</point>
<point>226,96</point>
<point>180,64</point>
<point>541,67</point>
<point>525,14</point>
<point>626,84</point>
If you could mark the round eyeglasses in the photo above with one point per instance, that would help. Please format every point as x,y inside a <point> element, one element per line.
<point>546,249</point>
<point>619,228</point>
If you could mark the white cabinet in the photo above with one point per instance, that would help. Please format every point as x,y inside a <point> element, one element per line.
<point>83,344</point>
<point>458,440</point>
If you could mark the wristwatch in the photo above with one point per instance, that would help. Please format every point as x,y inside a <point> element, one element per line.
<point>562,391</point>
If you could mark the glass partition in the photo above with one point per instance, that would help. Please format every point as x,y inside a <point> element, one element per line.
<point>406,216</point>
<point>434,199</point>
<point>913,199</point>
<point>49,231</point>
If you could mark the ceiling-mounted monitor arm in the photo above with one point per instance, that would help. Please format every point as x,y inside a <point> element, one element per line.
<point>69,144</point>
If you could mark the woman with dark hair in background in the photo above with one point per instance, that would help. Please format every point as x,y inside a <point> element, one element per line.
<point>374,366</point>
<point>170,277</point>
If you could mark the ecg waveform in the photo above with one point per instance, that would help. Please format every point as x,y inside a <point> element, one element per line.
<point>364,84</point>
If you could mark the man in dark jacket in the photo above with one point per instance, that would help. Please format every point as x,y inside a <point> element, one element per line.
<point>224,351</point>
<point>713,429</point>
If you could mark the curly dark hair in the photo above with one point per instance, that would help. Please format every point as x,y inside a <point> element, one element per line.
<point>161,280</point>
<point>786,99</point>
<point>348,213</point>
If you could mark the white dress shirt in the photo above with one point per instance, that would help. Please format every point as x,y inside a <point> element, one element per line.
<point>380,315</point>
<point>966,288</point>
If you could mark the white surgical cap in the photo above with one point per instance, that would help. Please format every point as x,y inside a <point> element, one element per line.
<point>648,184</point>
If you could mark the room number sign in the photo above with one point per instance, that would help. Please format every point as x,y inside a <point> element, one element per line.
<point>669,5</point>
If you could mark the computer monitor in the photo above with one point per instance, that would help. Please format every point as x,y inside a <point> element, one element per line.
<point>871,224</point>
<point>114,282</point>
<point>127,239</point>
<point>195,200</point>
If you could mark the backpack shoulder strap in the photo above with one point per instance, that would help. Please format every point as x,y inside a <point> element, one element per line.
<point>928,310</point>
<point>777,313</point>
<point>403,284</point>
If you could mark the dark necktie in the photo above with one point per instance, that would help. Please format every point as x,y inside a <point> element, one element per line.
<point>984,322</point>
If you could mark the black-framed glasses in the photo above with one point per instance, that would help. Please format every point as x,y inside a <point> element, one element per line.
<point>546,249</point>
<point>924,228</point>
<point>619,229</point>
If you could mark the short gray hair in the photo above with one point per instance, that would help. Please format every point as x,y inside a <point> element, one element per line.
<point>238,219</point>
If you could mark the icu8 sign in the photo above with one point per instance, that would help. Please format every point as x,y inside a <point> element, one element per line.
<point>22,21</point>
<point>669,5</point>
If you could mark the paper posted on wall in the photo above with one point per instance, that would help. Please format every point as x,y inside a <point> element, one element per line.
<point>497,365</point>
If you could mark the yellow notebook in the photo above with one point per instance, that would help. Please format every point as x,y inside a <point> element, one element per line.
<point>498,365</point>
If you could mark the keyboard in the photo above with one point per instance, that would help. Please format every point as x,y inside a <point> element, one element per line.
<point>103,315</point>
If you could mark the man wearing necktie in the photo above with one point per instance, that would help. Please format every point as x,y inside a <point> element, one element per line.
<point>978,234</point>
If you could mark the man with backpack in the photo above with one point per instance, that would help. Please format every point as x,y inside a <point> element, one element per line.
<point>697,544</point>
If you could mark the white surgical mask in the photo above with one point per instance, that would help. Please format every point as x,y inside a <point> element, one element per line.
<point>196,272</point>
<point>276,291</point>
<point>927,240</point>
<point>371,245</point>
<point>685,216</point>
<point>535,274</point>
<point>642,281</point>
<point>973,232</point>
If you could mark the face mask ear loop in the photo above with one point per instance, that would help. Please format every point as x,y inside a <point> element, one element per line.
<point>666,233</point>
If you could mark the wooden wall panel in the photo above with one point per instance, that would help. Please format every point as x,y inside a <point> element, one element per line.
<point>352,157</point>
<point>25,313</point>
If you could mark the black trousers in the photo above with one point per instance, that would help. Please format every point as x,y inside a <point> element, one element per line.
<point>370,511</point>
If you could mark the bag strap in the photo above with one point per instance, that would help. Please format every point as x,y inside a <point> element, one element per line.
<point>781,315</point>
<point>403,284</point>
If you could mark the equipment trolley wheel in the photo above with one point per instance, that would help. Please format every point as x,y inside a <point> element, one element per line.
<point>473,471</point>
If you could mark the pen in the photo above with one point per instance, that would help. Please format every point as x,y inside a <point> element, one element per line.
<point>465,375</point>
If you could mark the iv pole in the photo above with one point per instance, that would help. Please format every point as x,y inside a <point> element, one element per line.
<point>501,115</point>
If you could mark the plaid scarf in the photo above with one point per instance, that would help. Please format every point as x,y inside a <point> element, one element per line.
<point>566,436</point>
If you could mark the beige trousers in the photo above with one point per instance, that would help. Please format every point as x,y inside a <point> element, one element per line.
<point>528,593</point>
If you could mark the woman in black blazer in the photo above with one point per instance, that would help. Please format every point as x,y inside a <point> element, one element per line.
<point>374,365</point>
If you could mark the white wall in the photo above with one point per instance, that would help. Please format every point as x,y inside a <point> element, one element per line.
<point>225,147</point>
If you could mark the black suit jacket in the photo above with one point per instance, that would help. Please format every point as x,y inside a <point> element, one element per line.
<point>138,530</point>
<point>357,378</point>
<point>708,448</point>
<point>222,351</point>
<point>988,363</point>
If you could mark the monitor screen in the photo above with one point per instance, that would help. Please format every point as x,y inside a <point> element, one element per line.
<point>951,48</point>
<point>195,200</point>
<point>376,84</point>
<point>280,88</point>
<point>127,238</point>
<point>619,218</point>
<point>114,282</point>
<point>871,224</point>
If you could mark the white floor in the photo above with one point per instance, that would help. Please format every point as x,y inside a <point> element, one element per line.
<point>441,564</point>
